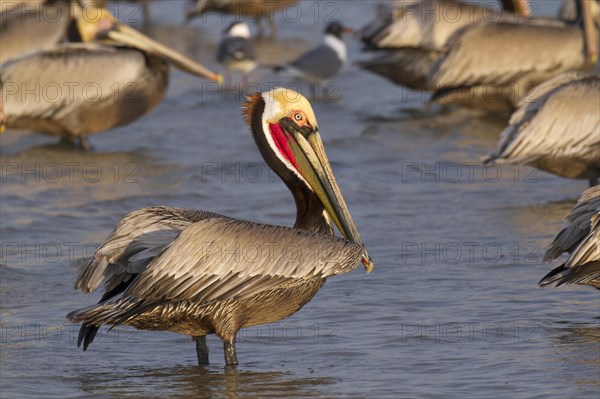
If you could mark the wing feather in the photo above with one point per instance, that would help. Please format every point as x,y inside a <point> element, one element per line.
<point>136,241</point>
<point>562,122</point>
<point>72,75</point>
<point>486,53</point>
<point>219,258</point>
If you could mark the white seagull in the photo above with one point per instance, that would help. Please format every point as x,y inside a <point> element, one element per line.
<point>323,63</point>
<point>236,51</point>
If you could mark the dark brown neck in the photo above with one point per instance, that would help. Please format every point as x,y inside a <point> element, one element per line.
<point>309,209</point>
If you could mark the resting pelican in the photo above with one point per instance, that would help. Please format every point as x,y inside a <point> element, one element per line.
<point>414,35</point>
<point>493,65</point>
<point>199,273</point>
<point>254,10</point>
<point>82,89</point>
<point>556,128</point>
<point>581,239</point>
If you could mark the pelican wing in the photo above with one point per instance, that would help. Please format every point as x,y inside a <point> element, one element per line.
<point>504,53</point>
<point>221,258</point>
<point>425,24</point>
<point>581,230</point>
<point>589,249</point>
<point>135,242</point>
<point>51,84</point>
<point>407,67</point>
<point>561,122</point>
<point>29,26</point>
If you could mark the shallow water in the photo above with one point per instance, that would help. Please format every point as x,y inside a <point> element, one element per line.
<point>451,310</point>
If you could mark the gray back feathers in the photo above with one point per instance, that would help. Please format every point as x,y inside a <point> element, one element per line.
<point>321,62</point>
<point>236,49</point>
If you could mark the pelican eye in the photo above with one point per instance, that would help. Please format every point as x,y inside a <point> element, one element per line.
<point>298,117</point>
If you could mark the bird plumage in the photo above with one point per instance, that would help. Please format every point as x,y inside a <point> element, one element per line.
<point>82,89</point>
<point>199,273</point>
<point>102,95</point>
<point>415,35</point>
<point>32,26</point>
<point>323,62</point>
<point>494,65</point>
<point>556,128</point>
<point>580,238</point>
<point>236,50</point>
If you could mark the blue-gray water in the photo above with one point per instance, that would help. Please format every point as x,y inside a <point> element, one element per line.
<point>451,310</point>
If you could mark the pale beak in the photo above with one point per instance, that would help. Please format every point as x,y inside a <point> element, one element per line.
<point>589,31</point>
<point>315,168</point>
<point>122,33</point>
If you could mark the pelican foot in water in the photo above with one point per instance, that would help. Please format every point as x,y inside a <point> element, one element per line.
<point>80,142</point>
<point>201,350</point>
<point>230,355</point>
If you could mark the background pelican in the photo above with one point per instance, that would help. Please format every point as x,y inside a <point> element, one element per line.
<point>254,10</point>
<point>556,128</point>
<point>174,269</point>
<point>493,65</point>
<point>87,88</point>
<point>581,239</point>
<point>414,35</point>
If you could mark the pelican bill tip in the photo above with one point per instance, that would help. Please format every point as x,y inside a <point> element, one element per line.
<point>368,263</point>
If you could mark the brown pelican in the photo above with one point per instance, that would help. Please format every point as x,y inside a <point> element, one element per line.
<point>87,88</point>
<point>580,238</point>
<point>493,65</point>
<point>414,35</point>
<point>254,10</point>
<point>236,51</point>
<point>556,128</point>
<point>199,273</point>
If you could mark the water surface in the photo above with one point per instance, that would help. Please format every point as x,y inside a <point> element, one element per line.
<point>451,310</point>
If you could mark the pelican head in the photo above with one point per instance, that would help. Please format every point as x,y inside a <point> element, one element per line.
<point>286,131</point>
<point>98,24</point>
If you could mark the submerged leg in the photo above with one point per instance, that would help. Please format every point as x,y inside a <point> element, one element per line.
<point>260,31</point>
<point>313,92</point>
<point>83,143</point>
<point>593,181</point>
<point>272,26</point>
<point>230,355</point>
<point>201,350</point>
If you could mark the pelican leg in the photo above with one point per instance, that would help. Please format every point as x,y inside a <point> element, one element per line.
<point>146,13</point>
<point>201,350</point>
<point>313,92</point>
<point>260,31</point>
<point>593,181</point>
<point>272,27</point>
<point>83,143</point>
<point>230,355</point>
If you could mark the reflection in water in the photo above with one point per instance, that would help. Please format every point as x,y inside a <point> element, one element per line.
<point>577,350</point>
<point>202,382</point>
